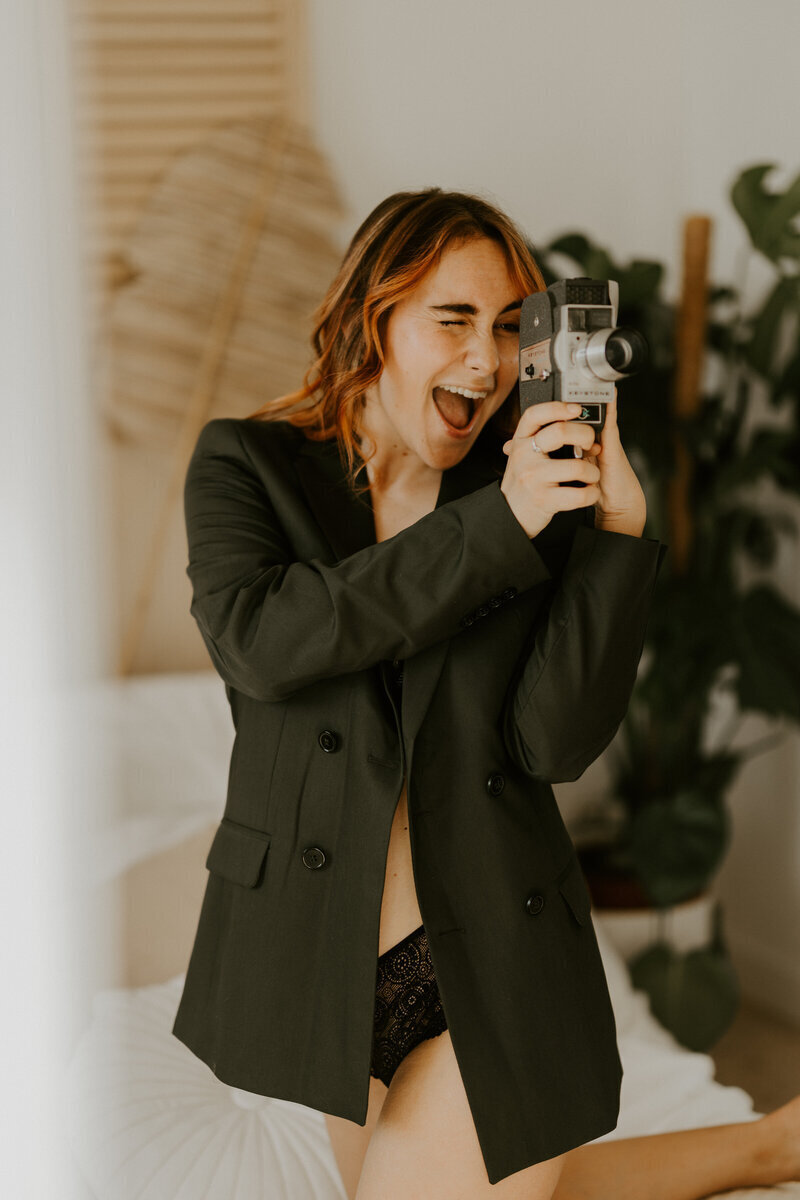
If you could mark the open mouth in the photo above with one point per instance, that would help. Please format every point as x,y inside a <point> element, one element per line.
<point>458,409</point>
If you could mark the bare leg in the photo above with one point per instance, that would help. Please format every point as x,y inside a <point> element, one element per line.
<point>689,1164</point>
<point>686,1165</point>
<point>424,1146</point>
<point>349,1141</point>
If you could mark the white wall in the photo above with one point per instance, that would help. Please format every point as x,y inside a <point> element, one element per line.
<point>617,119</point>
<point>51,603</point>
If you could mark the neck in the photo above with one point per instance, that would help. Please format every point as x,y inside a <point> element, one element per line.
<point>393,467</point>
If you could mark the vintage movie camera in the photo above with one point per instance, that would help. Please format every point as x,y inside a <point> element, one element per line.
<point>571,349</point>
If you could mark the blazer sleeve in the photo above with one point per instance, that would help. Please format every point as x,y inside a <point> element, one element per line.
<point>273,625</point>
<point>572,689</point>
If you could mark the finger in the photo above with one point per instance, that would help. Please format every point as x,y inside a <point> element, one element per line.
<point>572,498</point>
<point>538,415</point>
<point>551,472</point>
<point>565,433</point>
<point>578,433</point>
<point>611,417</point>
<point>565,469</point>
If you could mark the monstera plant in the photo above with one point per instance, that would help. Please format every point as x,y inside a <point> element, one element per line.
<point>722,640</point>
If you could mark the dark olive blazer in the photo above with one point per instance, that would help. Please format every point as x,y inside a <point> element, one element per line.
<point>520,655</point>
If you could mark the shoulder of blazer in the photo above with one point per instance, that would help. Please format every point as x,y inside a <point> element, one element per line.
<point>266,449</point>
<point>227,433</point>
<point>296,476</point>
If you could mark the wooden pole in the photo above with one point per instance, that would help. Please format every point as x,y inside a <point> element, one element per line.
<point>690,340</point>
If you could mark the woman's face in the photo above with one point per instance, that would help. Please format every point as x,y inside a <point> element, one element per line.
<point>458,330</point>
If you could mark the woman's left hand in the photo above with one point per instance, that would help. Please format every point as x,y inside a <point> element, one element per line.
<point>622,507</point>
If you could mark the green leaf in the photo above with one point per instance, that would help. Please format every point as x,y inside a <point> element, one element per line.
<point>639,283</point>
<point>694,995</point>
<point>714,775</point>
<point>762,533</point>
<point>720,337</point>
<point>761,350</point>
<point>595,262</point>
<point>718,293</point>
<point>677,842</point>
<point>768,216</point>
<point>750,200</point>
<point>771,452</point>
<point>767,634</point>
<point>789,381</point>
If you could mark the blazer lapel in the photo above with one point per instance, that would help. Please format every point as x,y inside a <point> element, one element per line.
<point>348,523</point>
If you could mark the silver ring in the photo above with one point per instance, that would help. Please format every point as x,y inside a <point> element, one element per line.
<point>538,449</point>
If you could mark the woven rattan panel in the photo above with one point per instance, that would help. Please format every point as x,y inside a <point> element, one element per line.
<point>153,78</point>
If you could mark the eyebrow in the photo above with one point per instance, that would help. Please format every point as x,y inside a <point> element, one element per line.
<point>470,309</point>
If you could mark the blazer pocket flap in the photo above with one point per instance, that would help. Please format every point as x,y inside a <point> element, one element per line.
<point>237,853</point>
<point>573,888</point>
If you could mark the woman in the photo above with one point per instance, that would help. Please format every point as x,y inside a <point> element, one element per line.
<point>454,635</point>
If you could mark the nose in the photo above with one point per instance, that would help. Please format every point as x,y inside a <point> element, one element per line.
<point>482,354</point>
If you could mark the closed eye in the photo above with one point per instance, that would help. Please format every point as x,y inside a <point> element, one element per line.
<point>510,327</point>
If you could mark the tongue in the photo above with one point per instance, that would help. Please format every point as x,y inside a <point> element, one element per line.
<point>454,408</point>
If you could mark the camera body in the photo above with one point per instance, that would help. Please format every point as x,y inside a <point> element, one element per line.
<point>570,348</point>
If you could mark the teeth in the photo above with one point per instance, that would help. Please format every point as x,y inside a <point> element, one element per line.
<point>460,391</point>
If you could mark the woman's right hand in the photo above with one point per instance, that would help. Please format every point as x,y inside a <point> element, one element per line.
<point>531,481</point>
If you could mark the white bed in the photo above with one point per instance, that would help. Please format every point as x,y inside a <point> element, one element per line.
<point>148,1120</point>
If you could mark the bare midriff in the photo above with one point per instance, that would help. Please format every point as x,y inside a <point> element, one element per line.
<point>399,908</point>
<point>400,913</point>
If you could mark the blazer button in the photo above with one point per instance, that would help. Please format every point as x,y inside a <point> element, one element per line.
<point>509,593</point>
<point>329,741</point>
<point>313,858</point>
<point>534,904</point>
<point>482,610</point>
<point>495,783</point>
<point>496,601</point>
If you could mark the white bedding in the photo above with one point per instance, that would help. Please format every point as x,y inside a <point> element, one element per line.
<point>170,738</point>
<point>148,1120</point>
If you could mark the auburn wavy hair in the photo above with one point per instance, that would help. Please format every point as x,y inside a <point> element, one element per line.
<point>390,253</point>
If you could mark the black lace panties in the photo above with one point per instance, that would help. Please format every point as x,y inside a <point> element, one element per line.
<point>408,1008</point>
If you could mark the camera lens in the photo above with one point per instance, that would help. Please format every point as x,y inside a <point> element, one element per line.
<point>626,351</point>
